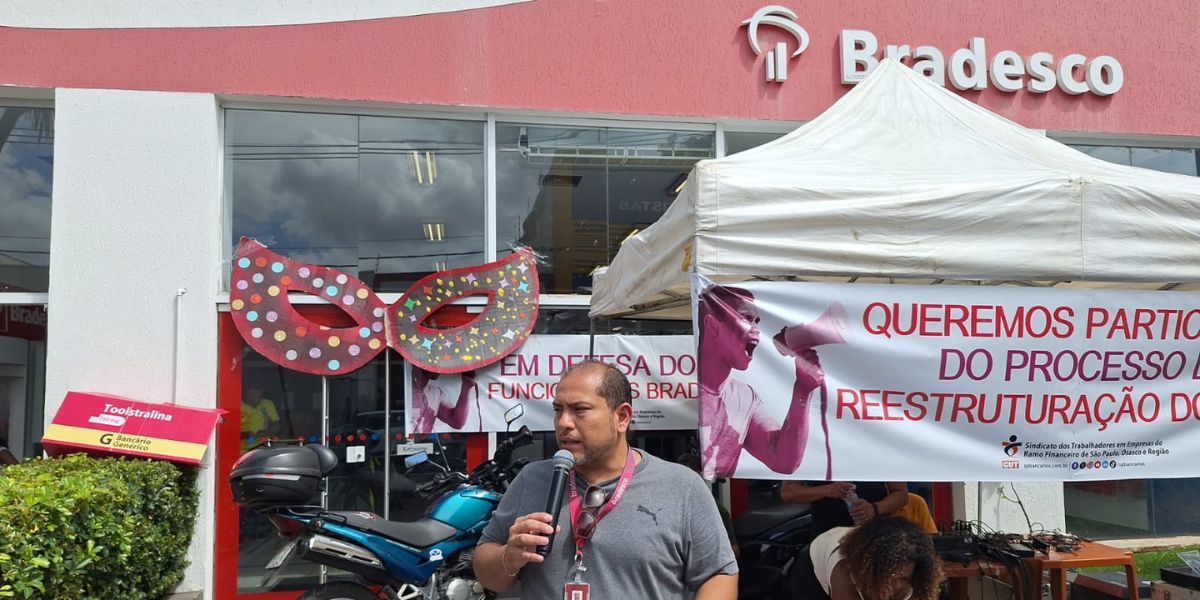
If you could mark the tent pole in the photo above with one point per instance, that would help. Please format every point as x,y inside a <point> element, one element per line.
<point>591,337</point>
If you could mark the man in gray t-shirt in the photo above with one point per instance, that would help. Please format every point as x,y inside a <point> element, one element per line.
<point>664,539</point>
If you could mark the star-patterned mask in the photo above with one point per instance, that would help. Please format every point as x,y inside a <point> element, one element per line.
<point>261,279</point>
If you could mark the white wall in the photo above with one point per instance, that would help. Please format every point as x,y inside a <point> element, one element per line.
<point>995,504</point>
<point>137,214</point>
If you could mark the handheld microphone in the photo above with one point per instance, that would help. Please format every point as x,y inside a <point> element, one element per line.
<point>563,461</point>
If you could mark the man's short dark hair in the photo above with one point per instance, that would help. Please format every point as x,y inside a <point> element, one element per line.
<point>614,386</point>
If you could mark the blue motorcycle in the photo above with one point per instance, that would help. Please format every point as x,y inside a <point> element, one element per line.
<point>429,558</point>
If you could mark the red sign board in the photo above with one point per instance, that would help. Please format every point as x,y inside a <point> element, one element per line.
<point>104,424</point>
<point>26,322</point>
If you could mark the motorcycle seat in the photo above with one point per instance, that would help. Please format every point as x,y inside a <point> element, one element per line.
<point>421,533</point>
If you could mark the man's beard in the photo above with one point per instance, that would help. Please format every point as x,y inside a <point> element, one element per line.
<point>594,453</point>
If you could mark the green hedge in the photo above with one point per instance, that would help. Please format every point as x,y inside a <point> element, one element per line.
<point>83,528</point>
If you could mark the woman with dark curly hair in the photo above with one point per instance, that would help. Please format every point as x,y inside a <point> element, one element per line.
<point>887,558</point>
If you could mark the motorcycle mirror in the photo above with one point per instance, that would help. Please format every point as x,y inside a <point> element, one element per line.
<point>514,413</point>
<point>445,466</point>
<point>413,460</point>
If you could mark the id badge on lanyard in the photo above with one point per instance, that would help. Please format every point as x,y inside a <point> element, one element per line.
<point>576,588</point>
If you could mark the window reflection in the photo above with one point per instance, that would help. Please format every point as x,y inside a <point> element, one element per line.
<point>576,321</point>
<point>387,199</point>
<point>26,173</point>
<point>1108,509</point>
<point>1112,154</point>
<point>574,194</point>
<point>736,141</point>
<point>1170,160</point>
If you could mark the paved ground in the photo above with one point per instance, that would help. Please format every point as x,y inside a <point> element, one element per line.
<point>1138,545</point>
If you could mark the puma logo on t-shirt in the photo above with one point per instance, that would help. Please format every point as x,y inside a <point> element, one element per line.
<point>653,515</point>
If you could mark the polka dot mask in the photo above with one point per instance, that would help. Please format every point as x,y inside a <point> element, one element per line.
<point>258,296</point>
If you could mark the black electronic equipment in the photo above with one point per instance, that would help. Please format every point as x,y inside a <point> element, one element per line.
<point>956,547</point>
<point>1182,577</point>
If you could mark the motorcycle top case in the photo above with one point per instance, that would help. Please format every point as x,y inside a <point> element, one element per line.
<point>280,475</point>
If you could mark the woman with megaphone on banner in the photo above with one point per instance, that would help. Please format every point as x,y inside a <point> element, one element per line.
<point>732,417</point>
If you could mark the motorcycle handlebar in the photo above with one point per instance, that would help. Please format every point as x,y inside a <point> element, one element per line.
<point>489,474</point>
<point>427,487</point>
<point>524,437</point>
<point>452,479</point>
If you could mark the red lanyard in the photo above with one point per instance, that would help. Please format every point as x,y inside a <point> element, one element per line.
<point>577,504</point>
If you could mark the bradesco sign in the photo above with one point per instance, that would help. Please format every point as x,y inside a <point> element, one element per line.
<point>971,68</point>
<point>968,68</point>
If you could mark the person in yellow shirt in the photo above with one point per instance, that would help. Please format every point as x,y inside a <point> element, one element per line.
<point>260,418</point>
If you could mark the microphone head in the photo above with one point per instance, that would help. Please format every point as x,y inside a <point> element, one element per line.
<point>563,459</point>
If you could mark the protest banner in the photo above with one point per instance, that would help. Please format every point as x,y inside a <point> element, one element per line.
<point>661,372</point>
<point>947,383</point>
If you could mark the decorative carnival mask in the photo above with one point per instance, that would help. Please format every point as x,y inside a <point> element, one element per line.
<point>261,279</point>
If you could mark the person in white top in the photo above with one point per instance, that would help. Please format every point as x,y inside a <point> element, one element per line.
<point>431,402</point>
<point>887,558</point>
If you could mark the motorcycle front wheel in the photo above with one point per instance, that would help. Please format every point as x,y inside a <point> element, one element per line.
<point>340,591</point>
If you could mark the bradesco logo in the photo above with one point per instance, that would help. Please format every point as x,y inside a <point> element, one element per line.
<point>969,68</point>
<point>777,59</point>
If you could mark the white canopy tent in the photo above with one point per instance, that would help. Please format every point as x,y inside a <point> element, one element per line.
<point>904,179</point>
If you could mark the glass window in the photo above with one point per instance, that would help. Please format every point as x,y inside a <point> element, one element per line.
<point>1112,154</point>
<point>576,321</point>
<point>22,378</point>
<point>26,172</point>
<point>736,141</point>
<point>277,404</point>
<point>1109,509</point>
<point>574,194</point>
<point>26,175</point>
<point>387,199</point>
<point>1170,160</point>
